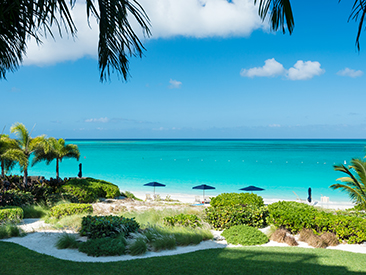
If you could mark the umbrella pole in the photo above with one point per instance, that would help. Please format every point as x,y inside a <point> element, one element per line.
<point>154,192</point>
<point>203,195</point>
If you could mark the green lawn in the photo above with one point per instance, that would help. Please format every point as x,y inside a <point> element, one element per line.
<point>16,259</point>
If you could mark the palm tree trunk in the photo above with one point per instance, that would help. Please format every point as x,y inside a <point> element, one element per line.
<point>57,169</point>
<point>2,168</point>
<point>25,179</point>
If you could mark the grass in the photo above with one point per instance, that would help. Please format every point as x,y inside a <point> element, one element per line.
<point>67,241</point>
<point>245,260</point>
<point>8,230</point>
<point>69,222</point>
<point>34,211</point>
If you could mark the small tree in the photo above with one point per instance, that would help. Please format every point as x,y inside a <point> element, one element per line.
<point>25,146</point>
<point>6,162</point>
<point>51,148</point>
<point>354,185</point>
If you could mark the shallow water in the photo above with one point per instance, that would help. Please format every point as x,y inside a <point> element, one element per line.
<point>281,167</point>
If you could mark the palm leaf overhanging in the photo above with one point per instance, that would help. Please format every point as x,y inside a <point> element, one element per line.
<point>354,185</point>
<point>22,19</point>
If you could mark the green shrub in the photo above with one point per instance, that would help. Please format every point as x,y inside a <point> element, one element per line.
<point>89,190</point>
<point>8,230</point>
<point>103,247</point>
<point>227,216</point>
<point>67,241</point>
<point>34,211</point>
<point>69,209</point>
<point>233,199</point>
<point>17,198</point>
<point>244,235</point>
<point>183,220</point>
<point>293,216</point>
<point>107,226</point>
<point>129,195</point>
<point>11,213</point>
<point>137,245</point>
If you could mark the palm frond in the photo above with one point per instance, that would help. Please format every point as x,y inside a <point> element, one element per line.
<point>280,14</point>
<point>358,13</point>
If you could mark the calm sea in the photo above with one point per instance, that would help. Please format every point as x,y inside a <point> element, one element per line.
<point>281,167</point>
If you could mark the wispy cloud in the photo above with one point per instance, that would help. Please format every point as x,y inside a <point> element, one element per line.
<point>100,120</point>
<point>300,71</point>
<point>271,68</point>
<point>349,72</point>
<point>174,84</point>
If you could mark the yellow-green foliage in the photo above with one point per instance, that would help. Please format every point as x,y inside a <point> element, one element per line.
<point>69,209</point>
<point>89,190</point>
<point>11,213</point>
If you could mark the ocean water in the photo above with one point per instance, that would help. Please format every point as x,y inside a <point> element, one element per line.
<point>281,167</point>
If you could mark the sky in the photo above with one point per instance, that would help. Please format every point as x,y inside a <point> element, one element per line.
<point>211,69</point>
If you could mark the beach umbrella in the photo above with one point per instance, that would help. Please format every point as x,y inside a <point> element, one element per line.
<point>203,187</point>
<point>252,188</point>
<point>154,184</point>
<point>309,192</point>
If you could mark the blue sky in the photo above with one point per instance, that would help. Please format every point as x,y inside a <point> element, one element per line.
<point>212,69</point>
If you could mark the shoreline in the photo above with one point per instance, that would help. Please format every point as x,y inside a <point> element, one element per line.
<point>190,199</point>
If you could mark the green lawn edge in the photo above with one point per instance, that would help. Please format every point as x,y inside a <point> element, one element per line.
<point>16,259</point>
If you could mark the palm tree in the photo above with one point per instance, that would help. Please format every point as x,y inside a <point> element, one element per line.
<point>23,19</point>
<point>6,163</point>
<point>51,148</point>
<point>354,185</point>
<point>25,146</point>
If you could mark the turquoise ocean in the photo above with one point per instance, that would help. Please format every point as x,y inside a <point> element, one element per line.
<point>281,167</point>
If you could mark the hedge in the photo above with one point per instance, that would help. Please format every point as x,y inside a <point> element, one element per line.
<point>296,216</point>
<point>11,213</point>
<point>233,199</point>
<point>107,226</point>
<point>69,209</point>
<point>244,235</point>
<point>89,190</point>
<point>227,216</point>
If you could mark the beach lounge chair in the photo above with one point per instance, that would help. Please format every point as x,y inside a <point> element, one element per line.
<point>207,200</point>
<point>197,199</point>
<point>148,197</point>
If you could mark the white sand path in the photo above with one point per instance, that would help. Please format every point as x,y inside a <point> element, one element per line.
<point>43,241</point>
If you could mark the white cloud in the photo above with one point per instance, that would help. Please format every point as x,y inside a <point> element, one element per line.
<point>169,18</point>
<point>174,84</point>
<point>304,70</point>
<point>271,68</point>
<point>102,120</point>
<point>349,72</point>
<point>300,71</point>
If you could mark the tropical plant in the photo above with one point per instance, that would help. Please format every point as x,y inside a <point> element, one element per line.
<point>23,19</point>
<point>51,148</point>
<point>25,147</point>
<point>6,163</point>
<point>354,185</point>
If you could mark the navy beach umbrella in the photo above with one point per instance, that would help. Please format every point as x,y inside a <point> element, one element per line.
<point>252,188</point>
<point>203,187</point>
<point>154,184</point>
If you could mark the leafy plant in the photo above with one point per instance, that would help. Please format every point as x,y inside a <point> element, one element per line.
<point>183,220</point>
<point>107,226</point>
<point>244,235</point>
<point>233,199</point>
<point>223,217</point>
<point>67,241</point>
<point>103,247</point>
<point>69,209</point>
<point>11,213</point>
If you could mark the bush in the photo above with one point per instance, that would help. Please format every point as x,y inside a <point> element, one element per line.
<point>244,235</point>
<point>137,245</point>
<point>34,211</point>
<point>103,247</point>
<point>67,241</point>
<point>293,216</point>
<point>183,220</point>
<point>225,217</point>
<point>279,235</point>
<point>107,226</point>
<point>89,190</point>
<point>69,209</point>
<point>8,230</point>
<point>234,199</point>
<point>16,198</point>
<point>11,213</point>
